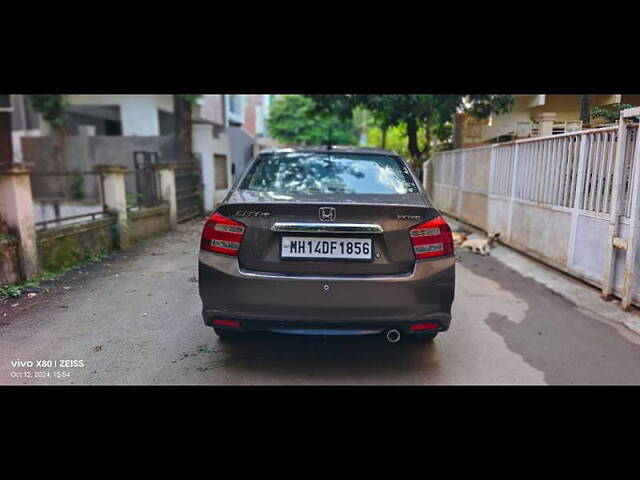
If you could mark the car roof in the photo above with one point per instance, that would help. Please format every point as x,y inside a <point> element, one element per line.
<point>334,148</point>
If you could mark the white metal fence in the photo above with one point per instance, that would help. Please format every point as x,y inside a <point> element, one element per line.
<point>570,200</point>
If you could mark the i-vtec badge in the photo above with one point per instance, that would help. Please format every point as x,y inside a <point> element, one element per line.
<point>409,217</point>
<point>246,213</point>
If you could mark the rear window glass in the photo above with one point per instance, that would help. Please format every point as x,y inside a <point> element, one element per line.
<point>329,173</point>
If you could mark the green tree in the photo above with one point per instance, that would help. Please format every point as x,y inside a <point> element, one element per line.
<point>296,119</point>
<point>610,116</point>
<point>392,138</point>
<point>182,107</point>
<point>52,109</point>
<point>421,115</point>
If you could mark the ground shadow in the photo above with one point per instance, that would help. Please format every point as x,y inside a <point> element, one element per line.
<point>555,337</point>
<point>354,359</point>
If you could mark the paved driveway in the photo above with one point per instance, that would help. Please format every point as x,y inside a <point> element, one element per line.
<point>135,319</point>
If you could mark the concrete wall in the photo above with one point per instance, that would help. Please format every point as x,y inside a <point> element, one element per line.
<point>532,191</point>
<point>221,148</point>
<point>498,216</point>
<point>541,232</point>
<point>240,146</point>
<point>149,222</point>
<point>64,247</point>
<point>9,260</point>
<point>474,209</point>
<point>213,109</point>
<point>23,117</point>
<point>82,153</point>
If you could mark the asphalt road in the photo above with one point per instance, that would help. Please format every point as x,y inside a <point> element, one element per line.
<point>135,319</point>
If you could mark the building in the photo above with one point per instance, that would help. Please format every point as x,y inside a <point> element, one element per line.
<point>227,132</point>
<point>245,119</point>
<point>562,111</point>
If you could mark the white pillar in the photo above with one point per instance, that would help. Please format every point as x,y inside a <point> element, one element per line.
<point>167,181</point>
<point>16,208</point>
<point>115,197</point>
<point>203,144</point>
<point>546,120</point>
<point>139,116</point>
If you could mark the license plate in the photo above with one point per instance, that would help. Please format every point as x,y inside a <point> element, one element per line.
<point>327,248</point>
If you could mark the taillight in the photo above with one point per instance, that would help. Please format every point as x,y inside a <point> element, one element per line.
<point>227,323</point>
<point>222,235</point>
<point>417,327</point>
<point>432,239</point>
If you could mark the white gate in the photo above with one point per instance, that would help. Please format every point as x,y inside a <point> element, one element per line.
<point>570,200</point>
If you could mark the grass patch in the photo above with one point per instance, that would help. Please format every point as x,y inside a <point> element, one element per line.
<point>16,289</point>
<point>7,238</point>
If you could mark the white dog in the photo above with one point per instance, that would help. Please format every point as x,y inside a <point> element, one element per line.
<point>458,238</point>
<point>480,245</point>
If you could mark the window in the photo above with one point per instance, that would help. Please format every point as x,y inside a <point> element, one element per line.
<point>308,173</point>
<point>235,104</point>
<point>235,109</point>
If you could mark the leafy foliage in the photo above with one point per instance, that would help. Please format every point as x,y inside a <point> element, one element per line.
<point>16,289</point>
<point>52,108</point>
<point>10,291</point>
<point>481,106</point>
<point>297,119</point>
<point>611,116</point>
<point>77,186</point>
<point>426,116</point>
<point>192,99</point>
<point>396,139</point>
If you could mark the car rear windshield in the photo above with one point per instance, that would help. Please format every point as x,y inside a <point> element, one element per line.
<point>297,172</point>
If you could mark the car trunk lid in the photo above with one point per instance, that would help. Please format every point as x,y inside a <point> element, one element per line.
<point>385,219</point>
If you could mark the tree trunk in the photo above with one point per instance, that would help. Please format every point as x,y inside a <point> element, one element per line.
<point>182,114</point>
<point>384,138</point>
<point>427,137</point>
<point>458,130</point>
<point>412,140</point>
<point>585,109</point>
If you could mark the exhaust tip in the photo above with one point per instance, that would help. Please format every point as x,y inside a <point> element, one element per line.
<point>393,336</point>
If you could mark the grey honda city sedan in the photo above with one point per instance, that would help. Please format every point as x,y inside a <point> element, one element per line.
<point>327,241</point>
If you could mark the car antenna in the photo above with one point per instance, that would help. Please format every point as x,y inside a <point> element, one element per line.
<point>329,125</point>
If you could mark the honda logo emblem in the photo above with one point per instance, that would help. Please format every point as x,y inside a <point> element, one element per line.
<point>327,214</point>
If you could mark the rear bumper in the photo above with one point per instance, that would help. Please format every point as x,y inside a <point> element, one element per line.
<point>265,301</point>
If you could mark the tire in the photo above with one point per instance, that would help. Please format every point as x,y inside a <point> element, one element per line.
<point>226,335</point>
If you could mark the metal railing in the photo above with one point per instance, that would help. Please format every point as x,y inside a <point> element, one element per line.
<point>552,197</point>
<point>66,197</point>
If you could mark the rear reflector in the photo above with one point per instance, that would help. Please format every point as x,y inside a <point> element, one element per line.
<point>227,323</point>
<point>432,239</point>
<point>222,235</point>
<point>424,326</point>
